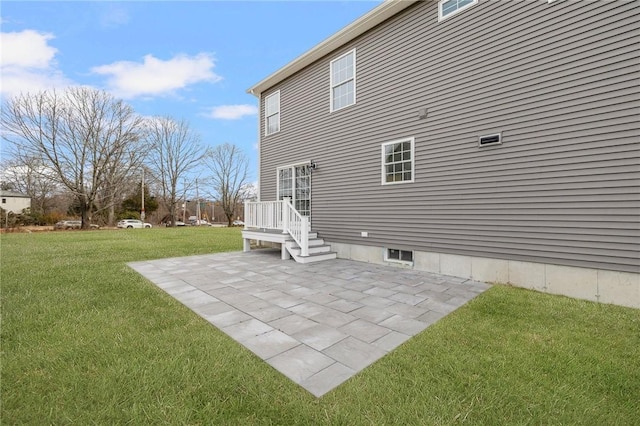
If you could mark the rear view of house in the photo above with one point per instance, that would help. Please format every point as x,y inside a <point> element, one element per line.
<point>483,139</point>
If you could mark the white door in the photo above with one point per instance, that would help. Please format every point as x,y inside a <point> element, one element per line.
<point>295,182</point>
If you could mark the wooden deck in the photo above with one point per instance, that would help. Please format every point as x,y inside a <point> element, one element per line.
<point>269,235</point>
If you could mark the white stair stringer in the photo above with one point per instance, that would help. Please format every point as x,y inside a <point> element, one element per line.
<point>318,250</point>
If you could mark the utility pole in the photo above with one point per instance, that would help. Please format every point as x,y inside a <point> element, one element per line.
<point>142,215</point>
<point>197,204</point>
<point>184,204</point>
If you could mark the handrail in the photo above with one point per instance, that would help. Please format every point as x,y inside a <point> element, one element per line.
<point>298,227</point>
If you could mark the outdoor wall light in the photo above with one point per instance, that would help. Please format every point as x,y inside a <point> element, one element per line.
<point>312,165</point>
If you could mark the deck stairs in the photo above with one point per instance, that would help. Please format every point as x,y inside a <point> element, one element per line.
<point>318,250</point>
<point>279,222</point>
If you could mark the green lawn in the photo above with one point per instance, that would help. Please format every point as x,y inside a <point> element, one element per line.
<point>86,340</point>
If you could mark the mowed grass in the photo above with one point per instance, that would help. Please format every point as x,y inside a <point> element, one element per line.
<point>86,340</point>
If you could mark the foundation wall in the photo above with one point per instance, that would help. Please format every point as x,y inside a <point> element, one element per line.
<point>597,285</point>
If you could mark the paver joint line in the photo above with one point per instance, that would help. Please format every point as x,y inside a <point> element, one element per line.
<point>318,324</point>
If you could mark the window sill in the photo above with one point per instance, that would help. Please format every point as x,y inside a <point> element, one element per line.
<point>341,109</point>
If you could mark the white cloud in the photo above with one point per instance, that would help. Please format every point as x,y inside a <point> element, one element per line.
<point>232,112</point>
<point>155,77</point>
<point>27,49</point>
<point>20,80</point>
<point>27,63</point>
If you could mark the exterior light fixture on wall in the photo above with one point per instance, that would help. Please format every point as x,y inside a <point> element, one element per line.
<point>312,165</point>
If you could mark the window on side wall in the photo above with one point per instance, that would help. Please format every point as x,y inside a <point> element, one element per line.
<point>447,8</point>
<point>343,81</point>
<point>397,161</point>
<point>272,113</point>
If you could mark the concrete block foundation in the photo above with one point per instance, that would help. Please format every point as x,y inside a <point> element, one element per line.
<point>597,285</point>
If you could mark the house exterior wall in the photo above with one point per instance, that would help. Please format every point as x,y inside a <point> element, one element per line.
<point>559,80</point>
<point>14,202</point>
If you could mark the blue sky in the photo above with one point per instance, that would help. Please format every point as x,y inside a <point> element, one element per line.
<point>191,60</point>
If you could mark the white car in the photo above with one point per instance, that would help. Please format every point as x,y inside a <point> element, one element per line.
<point>133,223</point>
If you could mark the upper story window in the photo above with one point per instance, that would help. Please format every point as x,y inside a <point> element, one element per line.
<point>447,8</point>
<point>272,113</point>
<point>397,161</point>
<point>343,81</point>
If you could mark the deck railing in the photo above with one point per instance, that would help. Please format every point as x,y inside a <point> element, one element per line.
<point>263,215</point>
<point>279,215</point>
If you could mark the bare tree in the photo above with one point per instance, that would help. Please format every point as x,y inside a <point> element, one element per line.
<point>174,152</point>
<point>229,168</point>
<point>80,135</point>
<point>119,181</point>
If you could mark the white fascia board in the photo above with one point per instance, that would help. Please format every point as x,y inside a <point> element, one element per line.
<point>380,14</point>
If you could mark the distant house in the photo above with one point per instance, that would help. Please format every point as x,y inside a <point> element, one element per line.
<point>14,202</point>
<point>483,139</point>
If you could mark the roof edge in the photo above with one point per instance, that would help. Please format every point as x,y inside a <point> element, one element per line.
<point>361,25</point>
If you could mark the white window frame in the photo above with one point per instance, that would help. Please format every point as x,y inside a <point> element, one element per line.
<point>332,85</point>
<point>384,164</point>
<point>455,12</point>
<point>267,116</point>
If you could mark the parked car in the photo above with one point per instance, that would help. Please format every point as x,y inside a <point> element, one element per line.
<point>68,224</point>
<point>178,223</point>
<point>133,223</point>
<point>238,223</point>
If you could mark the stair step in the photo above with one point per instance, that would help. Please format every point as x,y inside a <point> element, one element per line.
<point>312,243</point>
<point>318,250</point>
<point>319,257</point>
<point>296,250</point>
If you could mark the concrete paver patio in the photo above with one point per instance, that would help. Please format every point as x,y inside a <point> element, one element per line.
<point>319,323</point>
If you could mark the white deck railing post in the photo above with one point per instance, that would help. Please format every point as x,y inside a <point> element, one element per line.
<point>285,215</point>
<point>246,215</point>
<point>304,246</point>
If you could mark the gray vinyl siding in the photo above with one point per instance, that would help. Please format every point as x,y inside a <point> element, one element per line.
<point>559,80</point>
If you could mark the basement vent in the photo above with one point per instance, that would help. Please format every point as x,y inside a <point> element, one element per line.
<point>485,140</point>
<point>396,255</point>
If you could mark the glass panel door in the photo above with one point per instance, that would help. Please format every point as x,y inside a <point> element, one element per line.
<point>302,198</point>
<point>285,183</point>
<point>295,182</point>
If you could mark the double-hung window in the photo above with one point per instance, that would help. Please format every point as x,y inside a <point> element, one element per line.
<point>272,113</point>
<point>447,8</point>
<point>343,81</point>
<point>397,161</point>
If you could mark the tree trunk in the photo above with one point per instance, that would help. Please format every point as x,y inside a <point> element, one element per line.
<point>85,216</point>
<point>111,215</point>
